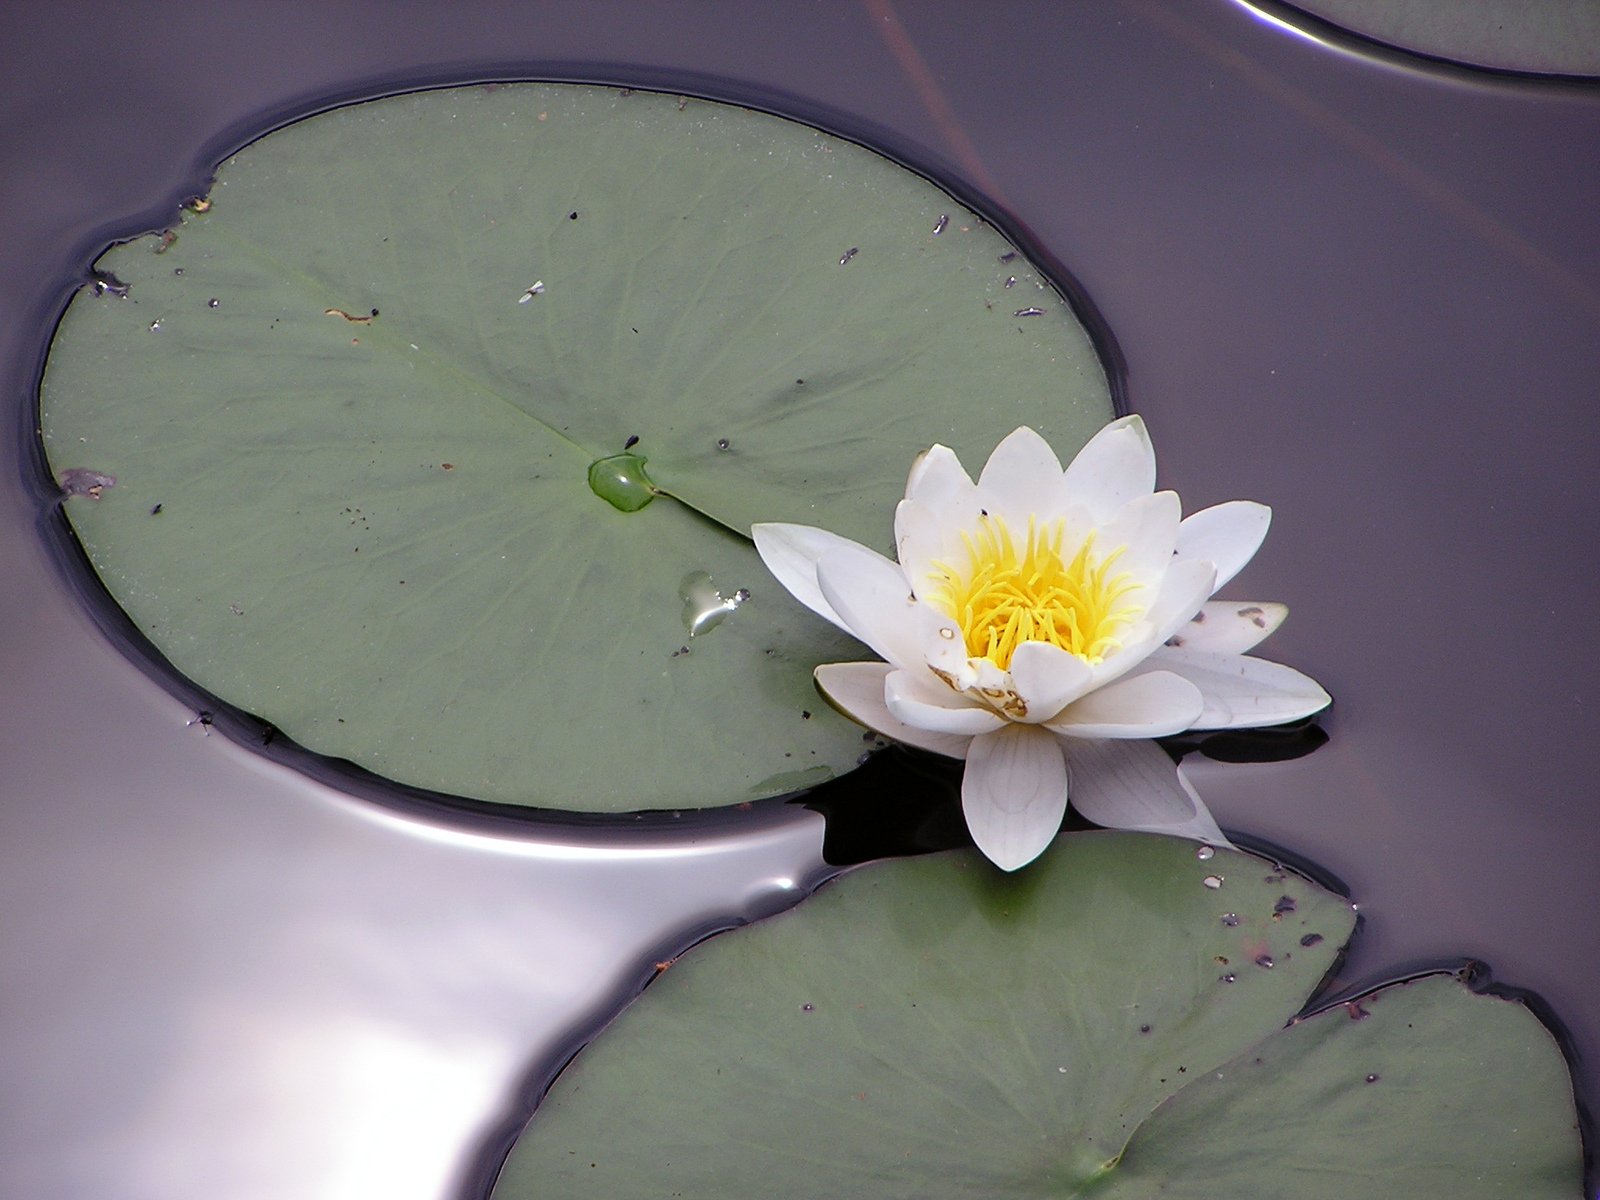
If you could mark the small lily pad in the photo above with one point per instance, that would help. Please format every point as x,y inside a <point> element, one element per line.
<point>366,382</point>
<point>1107,1022</point>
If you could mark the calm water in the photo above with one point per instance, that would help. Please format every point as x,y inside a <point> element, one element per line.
<point>1363,291</point>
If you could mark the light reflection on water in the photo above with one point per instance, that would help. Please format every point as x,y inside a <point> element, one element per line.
<point>219,1005</point>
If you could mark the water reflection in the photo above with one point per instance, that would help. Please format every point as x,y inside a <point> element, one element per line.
<point>704,607</point>
<point>218,1006</point>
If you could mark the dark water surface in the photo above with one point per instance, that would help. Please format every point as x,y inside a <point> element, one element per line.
<point>1361,289</point>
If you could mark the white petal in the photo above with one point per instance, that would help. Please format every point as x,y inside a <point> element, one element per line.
<point>791,553</point>
<point>1242,692</point>
<point>856,689</point>
<point>873,601</point>
<point>1225,535</point>
<point>930,704</point>
<point>1014,793</point>
<point>1116,465</point>
<point>1022,476</point>
<point>925,534</point>
<point>1146,705</point>
<point>1048,678</point>
<point>1138,640</point>
<point>1188,585</point>
<point>1229,626</point>
<point>986,675</point>
<point>1134,785</point>
<point>1146,530</point>
<point>937,476</point>
<point>942,646</point>
<point>918,539</point>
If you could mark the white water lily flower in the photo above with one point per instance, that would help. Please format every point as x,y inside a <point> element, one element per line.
<point>1044,625</point>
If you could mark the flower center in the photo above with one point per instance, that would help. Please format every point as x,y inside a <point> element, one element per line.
<point>1005,595</point>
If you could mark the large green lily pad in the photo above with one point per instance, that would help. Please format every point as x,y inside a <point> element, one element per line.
<point>366,383</point>
<point>1106,1023</point>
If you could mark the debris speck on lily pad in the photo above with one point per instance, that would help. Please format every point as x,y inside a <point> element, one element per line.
<point>80,481</point>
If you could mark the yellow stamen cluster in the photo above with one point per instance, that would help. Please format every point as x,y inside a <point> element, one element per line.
<point>1005,596</point>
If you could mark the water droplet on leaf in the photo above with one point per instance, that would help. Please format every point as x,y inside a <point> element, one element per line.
<point>704,608</point>
<point>621,482</point>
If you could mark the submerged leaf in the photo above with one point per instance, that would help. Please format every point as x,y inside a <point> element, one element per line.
<point>1107,1023</point>
<point>371,381</point>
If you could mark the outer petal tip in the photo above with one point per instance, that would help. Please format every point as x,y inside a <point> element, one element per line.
<point>791,553</point>
<point>936,473</point>
<point>1134,785</point>
<point>1242,692</point>
<point>1023,476</point>
<point>1023,444</point>
<point>1226,535</point>
<point>1134,424</point>
<point>1114,466</point>
<point>1014,793</point>
<point>857,690</point>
